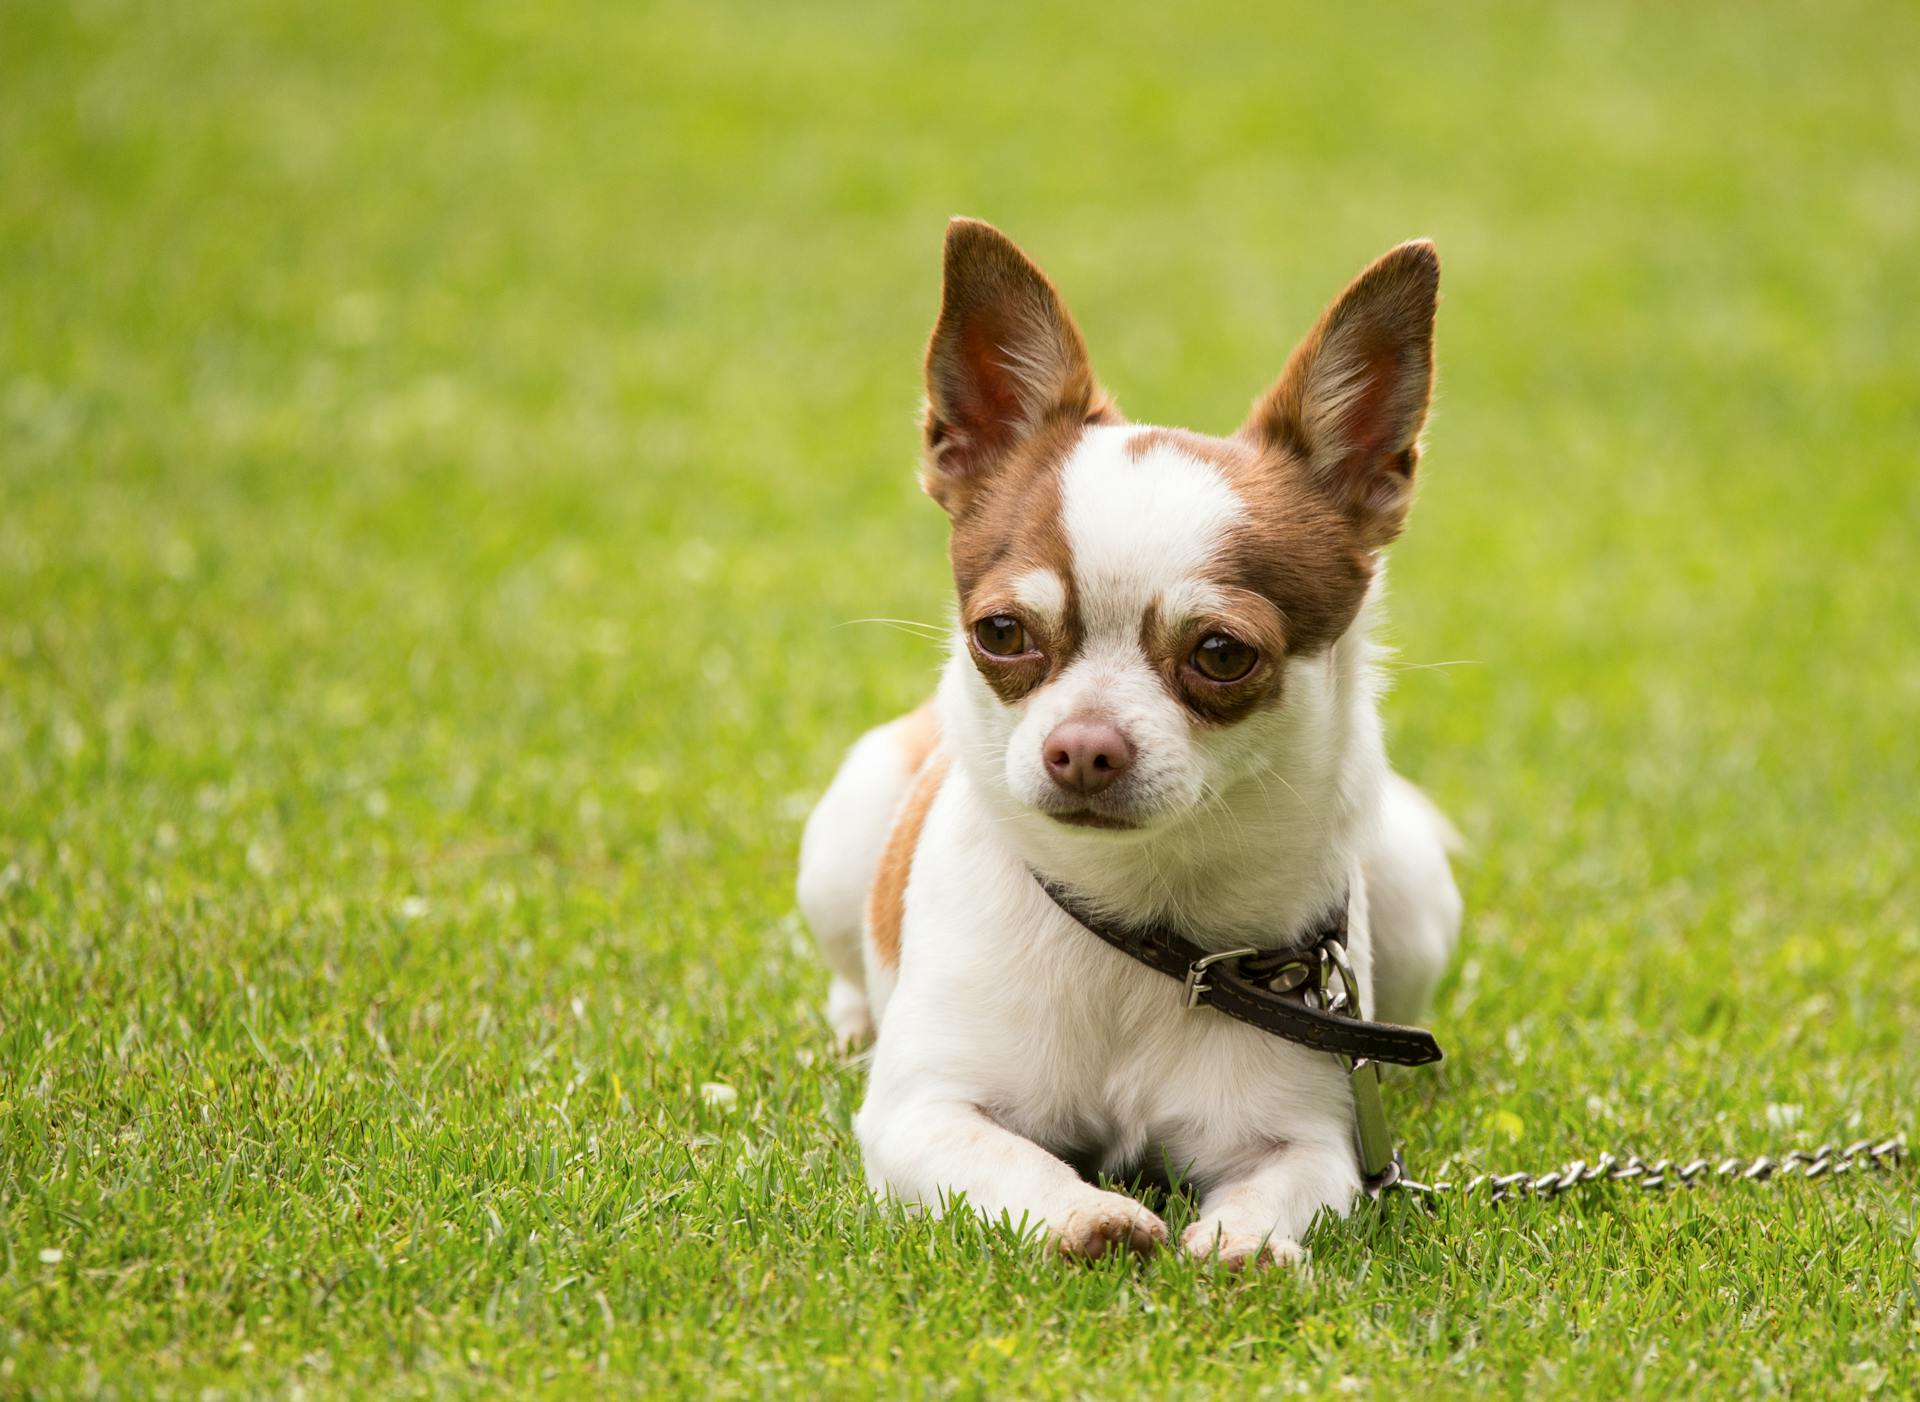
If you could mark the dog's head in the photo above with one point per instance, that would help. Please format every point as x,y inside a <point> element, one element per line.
<point>1139,603</point>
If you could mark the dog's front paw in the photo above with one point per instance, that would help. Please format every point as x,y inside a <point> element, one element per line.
<point>1237,1250</point>
<point>1104,1221</point>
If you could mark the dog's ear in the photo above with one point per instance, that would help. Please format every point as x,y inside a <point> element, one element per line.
<point>1354,394</point>
<point>1005,360</point>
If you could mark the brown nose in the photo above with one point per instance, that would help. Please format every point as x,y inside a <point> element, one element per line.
<point>1085,756</point>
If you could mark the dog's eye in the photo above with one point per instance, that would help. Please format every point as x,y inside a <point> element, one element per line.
<point>1000,636</point>
<point>1223,659</point>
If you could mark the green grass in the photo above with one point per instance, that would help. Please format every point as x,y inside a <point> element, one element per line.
<point>441,448</point>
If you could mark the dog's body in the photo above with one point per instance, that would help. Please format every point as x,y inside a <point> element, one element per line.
<point>1162,695</point>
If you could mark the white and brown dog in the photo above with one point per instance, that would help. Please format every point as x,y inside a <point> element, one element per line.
<point>1162,695</point>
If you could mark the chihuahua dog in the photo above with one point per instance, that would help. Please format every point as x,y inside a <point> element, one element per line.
<point>1162,695</point>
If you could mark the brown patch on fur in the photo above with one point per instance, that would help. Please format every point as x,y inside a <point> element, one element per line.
<point>918,734</point>
<point>1223,453</point>
<point>1248,616</point>
<point>886,899</point>
<point>1298,549</point>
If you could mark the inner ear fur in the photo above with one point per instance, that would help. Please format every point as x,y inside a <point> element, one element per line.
<point>1353,397</point>
<point>1005,361</point>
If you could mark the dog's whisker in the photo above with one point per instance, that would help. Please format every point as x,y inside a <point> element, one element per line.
<point>1265,796</point>
<point>1219,810</point>
<point>930,631</point>
<point>1271,772</point>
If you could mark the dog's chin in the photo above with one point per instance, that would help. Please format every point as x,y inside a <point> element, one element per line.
<point>1097,817</point>
<point>1091,820</point>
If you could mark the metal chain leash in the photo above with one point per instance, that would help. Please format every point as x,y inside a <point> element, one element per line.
<point>1827,1161</point>
<point>1324,979</point>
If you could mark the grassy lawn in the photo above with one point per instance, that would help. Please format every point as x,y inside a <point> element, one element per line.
<point>444,449</point>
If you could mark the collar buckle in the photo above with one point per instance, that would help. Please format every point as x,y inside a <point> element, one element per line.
<point>1194,987</point>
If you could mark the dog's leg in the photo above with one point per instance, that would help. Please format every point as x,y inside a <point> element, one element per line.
<point>1257,1217</point>
<point>932,1151</point>
<point>848,1013</point>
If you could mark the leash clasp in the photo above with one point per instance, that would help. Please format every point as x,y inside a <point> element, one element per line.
<point>1194,986</point>
<point>1380,1167</point>
<point>1379,1164</point>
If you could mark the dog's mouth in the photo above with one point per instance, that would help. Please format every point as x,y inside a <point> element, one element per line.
<point>1088,818</point>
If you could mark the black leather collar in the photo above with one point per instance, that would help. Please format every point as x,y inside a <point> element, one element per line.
<point>1286,992</point>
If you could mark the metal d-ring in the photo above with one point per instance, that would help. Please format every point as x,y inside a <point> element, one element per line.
<point>1350,986</point>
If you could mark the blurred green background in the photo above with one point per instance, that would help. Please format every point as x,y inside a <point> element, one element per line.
<point>443,449</point>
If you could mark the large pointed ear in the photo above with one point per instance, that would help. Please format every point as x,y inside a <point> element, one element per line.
<point>1354,394</point>
<point>1005,361</point>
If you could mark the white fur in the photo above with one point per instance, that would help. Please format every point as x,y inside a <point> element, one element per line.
<point>1044,592</point>
<point>1013,1036</point>
<point>1139,527</point>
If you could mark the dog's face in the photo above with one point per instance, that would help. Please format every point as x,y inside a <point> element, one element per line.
<point>1140,605</point>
